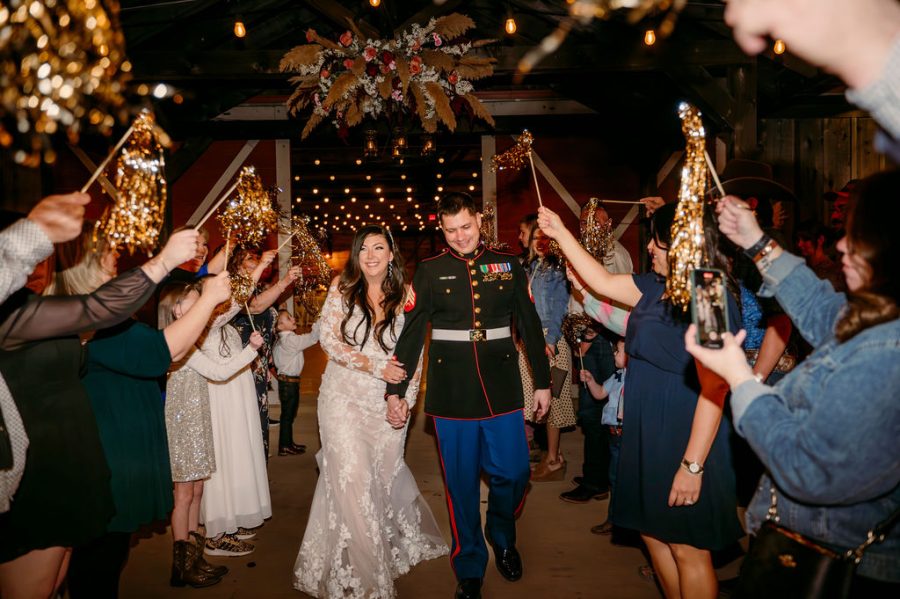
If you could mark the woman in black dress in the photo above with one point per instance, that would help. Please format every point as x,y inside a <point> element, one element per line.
<point>64,498</point>
<point>675,483</point>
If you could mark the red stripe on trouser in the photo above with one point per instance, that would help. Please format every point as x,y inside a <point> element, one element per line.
<point>449,502</point>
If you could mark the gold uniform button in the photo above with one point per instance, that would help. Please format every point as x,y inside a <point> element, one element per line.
<point>448,291</point>
<point>473,271</point>
<point>477,310</point>
<point>471,263</point>
<point>474,283</point>
<point>477,323</point>
<point>477,296</point>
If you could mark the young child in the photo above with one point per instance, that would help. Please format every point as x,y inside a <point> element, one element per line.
<point>288,354</point>
<point>614,389</point>
<point>190,435</point>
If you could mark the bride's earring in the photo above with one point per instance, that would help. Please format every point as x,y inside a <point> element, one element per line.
<point>390,269</point>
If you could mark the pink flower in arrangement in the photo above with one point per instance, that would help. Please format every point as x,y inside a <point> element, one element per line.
<point>437,40</point>
<point>453,77</point>
<point>310,35</point>
<point>316,100</point>
<point>324,73</point>
<point>346,39</point>
<point>348,63</point>
<point>387,57</point>
<point>370,53</point>
<point>385,69</point>
<point>415,65</point>
<point>397,95</point>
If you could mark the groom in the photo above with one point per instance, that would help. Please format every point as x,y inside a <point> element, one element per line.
<point>471,295</point>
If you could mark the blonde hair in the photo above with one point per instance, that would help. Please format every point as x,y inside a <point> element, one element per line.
<point>80,269</point>
<point>172,295</point>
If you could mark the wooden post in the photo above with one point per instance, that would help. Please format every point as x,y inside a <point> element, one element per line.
<point>283,181</point>
<point>742,83</point>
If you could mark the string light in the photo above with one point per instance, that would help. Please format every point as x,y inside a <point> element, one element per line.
<point>779,47</point>
<point>239,29</point>
<point>510,26</point>
<point>649,37</point>
<point>375,3</point>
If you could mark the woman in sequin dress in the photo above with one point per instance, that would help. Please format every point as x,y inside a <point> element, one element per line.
<point>189,428</point>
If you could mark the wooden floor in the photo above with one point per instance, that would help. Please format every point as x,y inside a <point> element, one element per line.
<point>561,557</point>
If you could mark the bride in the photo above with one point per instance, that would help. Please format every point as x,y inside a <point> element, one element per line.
<point>368,523</point>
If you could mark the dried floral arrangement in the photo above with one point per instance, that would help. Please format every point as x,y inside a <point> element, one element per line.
<point>62,67</point>
<point>424,72</point>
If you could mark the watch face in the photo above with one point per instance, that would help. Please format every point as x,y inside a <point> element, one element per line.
<point>694,467</point>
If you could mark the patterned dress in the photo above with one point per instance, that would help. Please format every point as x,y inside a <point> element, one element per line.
<point>368,523</point>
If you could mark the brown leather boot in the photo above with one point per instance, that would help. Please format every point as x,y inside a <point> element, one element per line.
<point>184,571</point>
<point>202,564</point>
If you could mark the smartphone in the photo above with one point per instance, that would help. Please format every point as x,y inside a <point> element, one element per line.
<point>709,310</point>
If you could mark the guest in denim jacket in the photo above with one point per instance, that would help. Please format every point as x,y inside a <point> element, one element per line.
<point>550,291</point>
<point>829,431</point>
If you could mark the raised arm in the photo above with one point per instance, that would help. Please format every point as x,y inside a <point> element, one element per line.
<point>221,371</point>
<point>183,332</point>
<point>619,288</point>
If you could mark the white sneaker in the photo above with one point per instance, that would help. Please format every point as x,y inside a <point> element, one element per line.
<point>228,546</point>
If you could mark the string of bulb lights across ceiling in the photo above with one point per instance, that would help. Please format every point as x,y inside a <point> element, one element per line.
<point>344,202</point>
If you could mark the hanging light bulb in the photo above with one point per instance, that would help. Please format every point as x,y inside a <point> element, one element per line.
<point>510,26</point>
<point>239,29</point>
<point>375,3</point>
<point>428,146</point>
<point>779,47</point>
<point>370,149</point>
<point>649,37</point>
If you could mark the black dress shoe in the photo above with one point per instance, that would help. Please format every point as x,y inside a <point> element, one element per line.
<point>299,447</point>
<point>508,561</point>
<point>582,494</point>
<point>468,588</point>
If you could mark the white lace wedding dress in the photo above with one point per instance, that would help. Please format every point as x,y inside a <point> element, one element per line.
<point>368,523</point>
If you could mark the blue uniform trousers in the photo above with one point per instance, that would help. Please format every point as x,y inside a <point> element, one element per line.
<point>497,446</point>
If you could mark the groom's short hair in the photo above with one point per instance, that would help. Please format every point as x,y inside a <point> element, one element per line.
<point>454,203</point>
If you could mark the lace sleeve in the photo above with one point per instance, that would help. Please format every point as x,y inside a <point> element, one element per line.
<point>333,342</point>
<point>412,391</point>
<point>225,317</point>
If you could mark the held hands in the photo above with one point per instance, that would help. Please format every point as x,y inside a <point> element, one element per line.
<point>181,247</point>
<point>541,403</point>
<point>397,411</point>
<point>737,222</point>
<point>60,216</point>
<point>256,340</point>
<point>730,362</point>
<point>393,371</point>
<point>550,351</point>
<point>685,488</point>
<point>218,288</point>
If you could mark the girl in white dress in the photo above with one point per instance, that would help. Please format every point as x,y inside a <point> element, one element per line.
<point>368,523</point>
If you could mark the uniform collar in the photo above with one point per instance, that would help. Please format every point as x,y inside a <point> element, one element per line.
<point>479,249</point>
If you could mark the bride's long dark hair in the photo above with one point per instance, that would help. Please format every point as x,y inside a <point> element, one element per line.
<point>354,289</point>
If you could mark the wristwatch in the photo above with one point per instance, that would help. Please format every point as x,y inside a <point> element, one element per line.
<point>692,467</point>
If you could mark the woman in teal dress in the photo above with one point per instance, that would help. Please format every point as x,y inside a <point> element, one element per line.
<point>124,363</point>
<point>675,482</point>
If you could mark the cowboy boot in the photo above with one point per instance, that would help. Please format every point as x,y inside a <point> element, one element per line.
<point>202,564</point>
<point>184,569</point>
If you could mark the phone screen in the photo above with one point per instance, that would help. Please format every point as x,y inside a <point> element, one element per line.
<point>708,306</point>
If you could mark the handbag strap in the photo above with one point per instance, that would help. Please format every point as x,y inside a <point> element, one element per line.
<point>875,535</point>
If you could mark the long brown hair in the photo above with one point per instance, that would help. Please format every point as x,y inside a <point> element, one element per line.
<point>354,288</point>
<point>872,235</point>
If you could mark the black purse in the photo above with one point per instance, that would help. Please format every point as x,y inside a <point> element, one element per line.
<point>783,564</point>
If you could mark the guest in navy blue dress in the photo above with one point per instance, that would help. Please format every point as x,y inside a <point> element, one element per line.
<point>675,482</point>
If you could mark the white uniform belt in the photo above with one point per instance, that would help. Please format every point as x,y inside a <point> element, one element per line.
<point>470,334</point>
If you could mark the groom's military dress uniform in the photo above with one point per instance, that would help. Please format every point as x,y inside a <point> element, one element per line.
<point>474,389</point>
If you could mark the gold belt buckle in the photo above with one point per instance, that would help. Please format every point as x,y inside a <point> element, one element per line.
<point>477,334</point>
